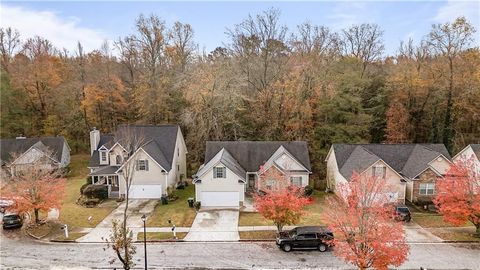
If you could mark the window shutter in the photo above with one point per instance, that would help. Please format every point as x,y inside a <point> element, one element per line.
<point>214,172</point>
<point>224,172</point>
<point>146,165</point>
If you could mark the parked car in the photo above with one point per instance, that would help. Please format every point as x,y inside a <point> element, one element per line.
<point>402,213</point>
<point>308,237</point>
<point>4,204</point>
<point>11,221</point>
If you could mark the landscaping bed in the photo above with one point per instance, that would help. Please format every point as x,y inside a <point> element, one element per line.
<point>156,236</point>
<point>71,237</point>
<point>177,211</point>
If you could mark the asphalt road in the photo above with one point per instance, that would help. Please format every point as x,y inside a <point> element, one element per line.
<point>28,254</point>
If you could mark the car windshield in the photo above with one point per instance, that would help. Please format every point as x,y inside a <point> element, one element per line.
<point>10,217</point>
<point>403,210</point>
<point>292,233</point>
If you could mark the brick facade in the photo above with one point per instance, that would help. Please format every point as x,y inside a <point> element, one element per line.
<point>427,176</point>
<point>281,180</point>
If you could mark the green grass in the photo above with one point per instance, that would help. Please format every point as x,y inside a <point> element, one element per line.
<point>71,237</point>
<point>178,210</point>
<point>312,217</point>
<point>432,220</point>
<point>153,236</point>
<point>73,214</point>
<point>453,235</point>
<point>262,235</point>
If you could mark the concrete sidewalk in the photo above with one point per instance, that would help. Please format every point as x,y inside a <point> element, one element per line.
<point>136,208</point>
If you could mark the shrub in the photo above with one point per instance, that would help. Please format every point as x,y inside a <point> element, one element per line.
<point>96,191</point>
<point>82,188</point>
<point>308,191</point>
<point>197,205</point>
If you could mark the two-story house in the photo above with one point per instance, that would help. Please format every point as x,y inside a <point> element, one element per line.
<point>159,163</point>
<point>471,153</point>
<point>410,170</point>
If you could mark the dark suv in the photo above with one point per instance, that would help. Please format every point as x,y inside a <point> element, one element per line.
<point>309,237</point>
<point>402,213</point>
<point>12,221</point>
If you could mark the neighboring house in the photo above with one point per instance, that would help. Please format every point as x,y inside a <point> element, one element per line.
<point>22,152</point>
<point>232,168</point>
<point>159,162</point>
<point>472,151</point>
<point>411,170</point>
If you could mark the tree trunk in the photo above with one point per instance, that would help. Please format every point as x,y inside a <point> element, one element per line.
<point>37,219</point>
<point>477,231</point>
<point>279,227</point>
<point>447,127</point>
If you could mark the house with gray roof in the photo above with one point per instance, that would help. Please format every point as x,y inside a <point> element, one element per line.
<point>470,153</point>
<point>22,152</point>
<point>232,169</point>
<point>159,162</point>
<point>411,170</point>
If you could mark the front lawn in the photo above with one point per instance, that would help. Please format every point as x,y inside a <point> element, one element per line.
<point>177,211</point>
<point>154,236</point>
<point>74,215</point>
<point>432,220</point>
<point>312,217</point>
<point>258,235</point>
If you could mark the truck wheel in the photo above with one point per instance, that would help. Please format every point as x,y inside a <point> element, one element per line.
<point>322,247</point>
<point>287,248</point>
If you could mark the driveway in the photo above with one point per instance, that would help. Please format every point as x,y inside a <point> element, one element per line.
<point>416,234</point>
<point>136,208</point>
<point>214,225</point>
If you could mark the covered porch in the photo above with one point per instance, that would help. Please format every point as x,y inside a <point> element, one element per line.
<point>107,176</point>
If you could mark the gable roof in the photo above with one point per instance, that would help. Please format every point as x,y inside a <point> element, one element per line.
<point>21,145</point>
<point>476,150</point>
<point>226,159</point>
<point>159,142</point>
<point>250,155</point>
<point>406,159</point>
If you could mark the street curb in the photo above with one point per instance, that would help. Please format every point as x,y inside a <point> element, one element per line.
<point>256,240</point>
<point>63,241</point>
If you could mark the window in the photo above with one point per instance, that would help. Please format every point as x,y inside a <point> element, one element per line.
<point>219,172</point>
<point>270,184</point>
<point>379,171</point>
<point>306,236</point>
<point>119,159</point>
<point>427,188</point>
<point>142,165</point>
<point>296,181</point>
<point>103,155</point>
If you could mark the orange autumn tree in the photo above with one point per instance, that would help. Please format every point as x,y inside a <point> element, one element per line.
<point>34,188</point>
<point>360,217</point>
<point>458,195</point>
<point>282,203</point>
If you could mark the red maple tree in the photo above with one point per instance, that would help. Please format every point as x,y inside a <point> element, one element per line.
<point>36,189</point>
<point>284,206</point>
<point>360,217</point>
<point>458,195</point>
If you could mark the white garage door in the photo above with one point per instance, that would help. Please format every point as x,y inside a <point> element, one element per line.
<point>221,199</point>
<point>145,191</point>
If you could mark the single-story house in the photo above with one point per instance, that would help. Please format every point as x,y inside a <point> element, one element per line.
<point>159,162</point>
<point>411,170</point>
<point>233,168</point>
<point>22,152</point>
<point>472,152</point>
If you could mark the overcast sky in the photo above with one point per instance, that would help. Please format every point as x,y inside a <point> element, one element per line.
<point>65,23</point>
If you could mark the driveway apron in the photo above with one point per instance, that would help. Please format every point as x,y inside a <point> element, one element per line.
<point>214,225</point>
<point>416,234</point>
<point>136,208</point>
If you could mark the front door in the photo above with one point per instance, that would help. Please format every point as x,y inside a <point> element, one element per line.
<point>251,180</point>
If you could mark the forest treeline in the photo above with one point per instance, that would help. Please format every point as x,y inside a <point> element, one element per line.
<point>265,82</point>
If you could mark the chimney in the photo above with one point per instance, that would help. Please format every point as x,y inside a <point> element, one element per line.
<point>94,140</point>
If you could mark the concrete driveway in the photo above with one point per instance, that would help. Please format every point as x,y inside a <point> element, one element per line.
<point>214,225</point>
<point>136,208</point>
<point>416,234</point>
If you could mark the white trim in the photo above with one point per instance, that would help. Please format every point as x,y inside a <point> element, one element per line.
<point>430,166</point>
<point>328,154</point>
<point>104,148</point>
<point>282,150</point>
<point>461,151</point>
<point>111,148</point>
<point>136,152</point>
<point>31,147</point>
<point>386,164</point>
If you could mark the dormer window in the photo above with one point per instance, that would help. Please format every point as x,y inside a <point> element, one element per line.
<point>103,156</point>
<point>379,171</point>
<point>219,172</point>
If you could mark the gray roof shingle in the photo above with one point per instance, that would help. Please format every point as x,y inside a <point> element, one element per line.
<point>250,155</point>
<point>407,159</point>
<point>159,142</point>
<point>476,149</point>
<point>19,146</point>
